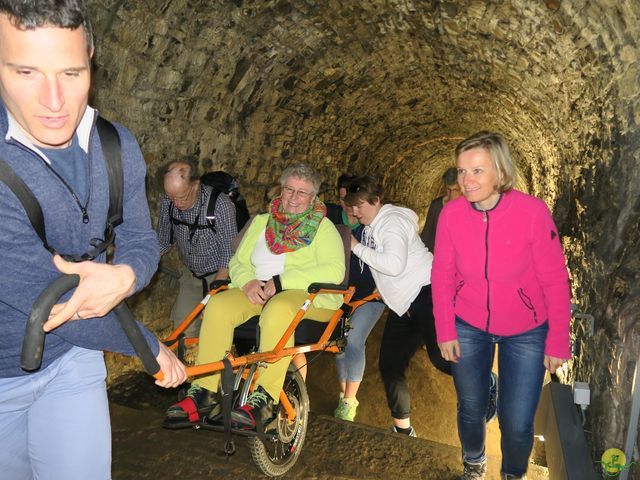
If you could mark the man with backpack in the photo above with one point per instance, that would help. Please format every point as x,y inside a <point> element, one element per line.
<point>201,221</point>
<point>56,201</point>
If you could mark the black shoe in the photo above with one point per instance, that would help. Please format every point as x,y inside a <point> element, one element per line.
<point>259,408</point>
<point>192,409</point>
<point>492,407</point>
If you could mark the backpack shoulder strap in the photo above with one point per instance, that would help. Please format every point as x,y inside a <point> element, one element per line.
<point>26,198</point>
<point>110,141</point>
<point>211,206</point>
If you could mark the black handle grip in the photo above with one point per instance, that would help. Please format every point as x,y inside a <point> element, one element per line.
<point>140,345</point>
<point>33,343</point>
<point>218,283</point>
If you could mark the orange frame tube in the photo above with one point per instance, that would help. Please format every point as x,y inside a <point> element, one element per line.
<point>279,351</point>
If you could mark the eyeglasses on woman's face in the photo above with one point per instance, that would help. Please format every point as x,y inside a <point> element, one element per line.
<point>291,192</point>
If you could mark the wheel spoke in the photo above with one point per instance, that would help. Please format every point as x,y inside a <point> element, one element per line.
<point>279,454</point>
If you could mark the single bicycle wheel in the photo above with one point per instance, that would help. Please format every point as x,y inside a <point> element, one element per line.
<point>280,451</point>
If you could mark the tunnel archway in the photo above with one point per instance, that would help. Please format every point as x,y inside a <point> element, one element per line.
<point>389,87</point>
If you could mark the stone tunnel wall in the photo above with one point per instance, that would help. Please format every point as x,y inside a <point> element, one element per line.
<point>389,87</point>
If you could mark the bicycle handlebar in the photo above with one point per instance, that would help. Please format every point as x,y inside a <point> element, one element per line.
<point>33,344</point>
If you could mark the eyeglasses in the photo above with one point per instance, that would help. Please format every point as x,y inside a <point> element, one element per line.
<point>290,192</point>
<point>354,188</point>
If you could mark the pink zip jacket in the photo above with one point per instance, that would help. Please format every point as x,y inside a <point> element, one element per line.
<point>502,271</point>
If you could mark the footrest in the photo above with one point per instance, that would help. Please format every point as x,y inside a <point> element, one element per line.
<point>180,424</point>
<point>218,427</point>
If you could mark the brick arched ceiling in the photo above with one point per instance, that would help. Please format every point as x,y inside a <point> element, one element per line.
<point>383,86</point>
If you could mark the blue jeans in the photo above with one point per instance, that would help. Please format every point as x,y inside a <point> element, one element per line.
<point>54,423</point>
<point>351,363</point>
<point>521,371</point>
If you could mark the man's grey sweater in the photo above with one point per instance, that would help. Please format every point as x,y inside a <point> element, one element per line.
<point>26,267</point>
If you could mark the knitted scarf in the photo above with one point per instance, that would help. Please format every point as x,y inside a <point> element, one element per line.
<point>287,232</point>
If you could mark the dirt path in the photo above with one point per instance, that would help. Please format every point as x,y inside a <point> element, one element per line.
<point>333,449</point>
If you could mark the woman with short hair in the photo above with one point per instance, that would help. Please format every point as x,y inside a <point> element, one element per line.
<point>351,363</point>
<point>280,255</point>
<point>499,278</point>
<point>401,268</point>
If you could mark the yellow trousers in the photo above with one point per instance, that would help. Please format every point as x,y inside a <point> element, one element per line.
<point>228,309</point>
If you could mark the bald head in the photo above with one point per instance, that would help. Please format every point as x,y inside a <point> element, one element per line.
<point>179,185</point>
<point>178,173</point>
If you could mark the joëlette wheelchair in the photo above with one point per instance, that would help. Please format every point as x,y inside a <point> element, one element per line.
<point>276,447</point>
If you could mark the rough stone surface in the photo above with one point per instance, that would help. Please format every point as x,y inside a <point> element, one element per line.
<point>389,87</point>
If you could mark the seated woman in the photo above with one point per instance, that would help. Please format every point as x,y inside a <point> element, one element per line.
<point>280,255</point>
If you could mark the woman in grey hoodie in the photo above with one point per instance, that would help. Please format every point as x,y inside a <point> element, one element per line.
<point>401,268</point>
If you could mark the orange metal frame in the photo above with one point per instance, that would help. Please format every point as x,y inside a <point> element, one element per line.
<point>279,350</point>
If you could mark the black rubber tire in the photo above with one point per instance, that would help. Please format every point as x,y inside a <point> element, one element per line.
<point>278,456</point>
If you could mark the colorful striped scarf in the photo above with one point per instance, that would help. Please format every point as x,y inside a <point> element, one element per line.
<point>287,232</point>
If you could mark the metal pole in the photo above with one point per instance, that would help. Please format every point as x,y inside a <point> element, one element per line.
<point>632,432</point>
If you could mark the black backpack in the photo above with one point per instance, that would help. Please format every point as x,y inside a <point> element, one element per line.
<point>220,182</point>
<point>110,142</point>
<point>223,182</point>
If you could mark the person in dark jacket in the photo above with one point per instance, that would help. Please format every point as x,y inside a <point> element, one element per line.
<point>428,235</point>
<point>54,422</point>
<point>337,213</point>
<point>450,180</point>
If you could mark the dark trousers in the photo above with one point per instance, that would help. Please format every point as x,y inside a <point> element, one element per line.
<point>402,338</point>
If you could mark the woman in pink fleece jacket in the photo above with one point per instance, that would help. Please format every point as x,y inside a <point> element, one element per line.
<point>499,278</point>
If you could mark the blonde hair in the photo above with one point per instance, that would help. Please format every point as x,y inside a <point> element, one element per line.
<point>498,149</point>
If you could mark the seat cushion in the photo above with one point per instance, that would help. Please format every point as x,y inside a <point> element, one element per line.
<point>309,331</point>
